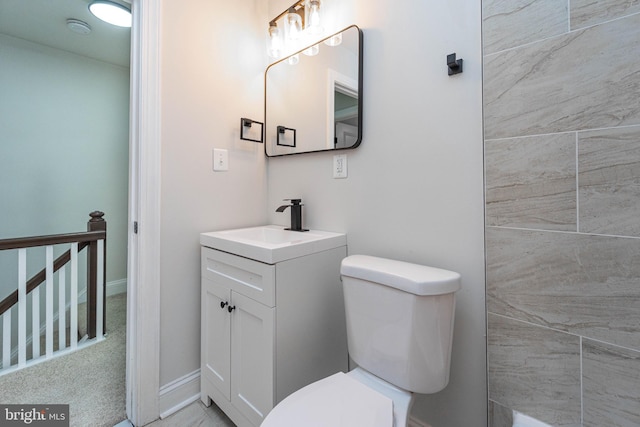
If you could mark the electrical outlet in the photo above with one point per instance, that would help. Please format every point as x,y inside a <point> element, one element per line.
<point>220,160</point>
<point>340,166</point>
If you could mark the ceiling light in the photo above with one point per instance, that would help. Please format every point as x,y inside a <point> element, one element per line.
<point>113,13</point>
<point>78,26</point>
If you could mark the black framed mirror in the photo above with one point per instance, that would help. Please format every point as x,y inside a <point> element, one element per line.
<point>316,99</point>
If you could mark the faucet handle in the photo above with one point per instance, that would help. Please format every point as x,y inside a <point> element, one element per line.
<point>293,201</point>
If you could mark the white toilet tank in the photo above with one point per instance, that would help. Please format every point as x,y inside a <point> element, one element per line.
<point>400,320</point>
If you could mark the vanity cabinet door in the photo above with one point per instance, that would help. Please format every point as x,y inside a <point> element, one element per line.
<point>252,349</point>
<point>216,327</point>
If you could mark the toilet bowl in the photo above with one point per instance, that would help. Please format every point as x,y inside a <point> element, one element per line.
<point>337,401</point>
<point>399,333</point>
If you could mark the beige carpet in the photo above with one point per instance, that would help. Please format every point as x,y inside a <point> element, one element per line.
<point>91,381</point>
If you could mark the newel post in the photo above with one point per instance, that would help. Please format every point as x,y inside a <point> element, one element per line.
<point>96,223</point>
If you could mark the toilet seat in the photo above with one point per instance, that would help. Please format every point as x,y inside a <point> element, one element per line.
<point>335,401</point>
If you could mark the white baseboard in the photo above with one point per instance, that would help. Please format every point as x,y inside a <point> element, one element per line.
<point>414,422</point>
<point>114,287</point>
<point>179,394</point>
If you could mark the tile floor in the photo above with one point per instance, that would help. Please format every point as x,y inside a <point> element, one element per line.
<point>195,415</point>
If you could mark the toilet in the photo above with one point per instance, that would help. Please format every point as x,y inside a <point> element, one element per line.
<point>399,331</point>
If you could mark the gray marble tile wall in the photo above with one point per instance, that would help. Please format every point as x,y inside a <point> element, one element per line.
<point>531,182</point>
<point>562,183</point>
<point>539,375</point>
<point>610,378</point>
<point>609,177</point>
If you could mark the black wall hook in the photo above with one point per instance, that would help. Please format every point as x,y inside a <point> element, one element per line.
<point>455,66</point>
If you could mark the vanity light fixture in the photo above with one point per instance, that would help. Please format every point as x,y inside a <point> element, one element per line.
<point>111,12</point>
<point>302,19</point>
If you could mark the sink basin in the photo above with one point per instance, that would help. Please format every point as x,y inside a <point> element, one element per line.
<point>272,243</point>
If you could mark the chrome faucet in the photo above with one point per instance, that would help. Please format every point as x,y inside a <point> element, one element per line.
<point>296,214</point>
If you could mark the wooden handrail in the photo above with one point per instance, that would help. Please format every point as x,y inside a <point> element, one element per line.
<point>38,278</point>
<point>53,239</point>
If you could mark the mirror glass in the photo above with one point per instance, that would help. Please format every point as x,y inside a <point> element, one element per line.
<point>314,103</point>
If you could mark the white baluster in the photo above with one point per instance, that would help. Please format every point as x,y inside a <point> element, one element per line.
<point>6,338</point>
<point>22,307</point>
<point>100,291</point>
<point>62,308</point>
<point>49,302</point>
<point>35,323</point>
<point>73,297</point>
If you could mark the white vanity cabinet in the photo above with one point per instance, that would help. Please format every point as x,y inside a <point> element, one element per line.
<point>268,329</point>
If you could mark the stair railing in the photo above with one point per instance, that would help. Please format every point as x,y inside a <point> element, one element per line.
<point>94,239</point>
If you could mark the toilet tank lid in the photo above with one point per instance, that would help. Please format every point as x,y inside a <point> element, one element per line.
<point>407,277</point>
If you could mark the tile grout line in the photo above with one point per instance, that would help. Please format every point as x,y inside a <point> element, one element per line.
<point>585,130</point>
<point>577,184</point>
<point>573,334</point>
<point>611,345</point>
<point>526,322</point>
<point>581,386</point>
<point>580,233</point>
<point>554,36</point>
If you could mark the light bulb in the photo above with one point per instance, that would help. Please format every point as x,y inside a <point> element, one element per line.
<point>275,43</point>
<point>294,24</point>
<point>314,17</point>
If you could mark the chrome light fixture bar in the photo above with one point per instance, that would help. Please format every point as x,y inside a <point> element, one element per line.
<point>111,12</point>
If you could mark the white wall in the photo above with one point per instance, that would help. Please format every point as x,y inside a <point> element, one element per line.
<point>64,138</point>
<point>212,75</point>
<point>415,185</point>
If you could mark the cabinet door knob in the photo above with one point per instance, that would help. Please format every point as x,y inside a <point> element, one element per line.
<point>223,303</point>
<point>231,308</point>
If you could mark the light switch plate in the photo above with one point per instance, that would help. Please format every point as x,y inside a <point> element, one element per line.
<point>220,160</point>
<point>340,166</point>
